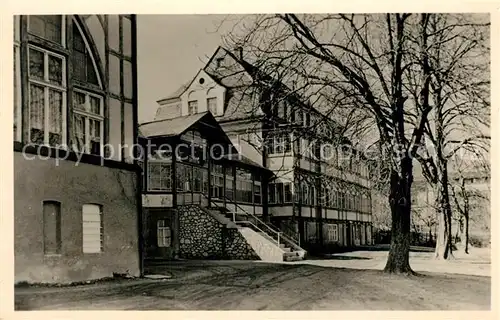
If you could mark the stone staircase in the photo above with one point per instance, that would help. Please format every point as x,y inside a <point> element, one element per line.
<point>270,244</point>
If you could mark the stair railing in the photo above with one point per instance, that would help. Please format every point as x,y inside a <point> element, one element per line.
<point>282,236</point>
<point>289,232</point>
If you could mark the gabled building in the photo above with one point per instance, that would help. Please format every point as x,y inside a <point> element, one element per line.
<point>76,194</point>
<point>316,196</point>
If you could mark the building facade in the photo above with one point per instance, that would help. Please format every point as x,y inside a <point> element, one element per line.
<point>75,119</point>
<point>192,172</point>
<point>317,191</point>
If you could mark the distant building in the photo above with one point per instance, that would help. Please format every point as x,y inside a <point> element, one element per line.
<point>477,184</point>
<point>75,189</point>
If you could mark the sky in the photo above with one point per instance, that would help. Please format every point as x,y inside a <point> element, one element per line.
<point>170,51</point>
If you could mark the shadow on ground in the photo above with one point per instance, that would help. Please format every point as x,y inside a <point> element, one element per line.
<point>263,286</point>
<point>338,257</point>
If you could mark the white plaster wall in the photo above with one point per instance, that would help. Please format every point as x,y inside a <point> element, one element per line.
<point>201,92</point>
<point>157,200</point>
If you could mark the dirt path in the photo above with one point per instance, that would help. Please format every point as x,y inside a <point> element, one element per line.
<point>259,286</point>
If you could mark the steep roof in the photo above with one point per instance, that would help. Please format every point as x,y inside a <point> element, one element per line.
<point>177,93</point>
<point>169,127</point>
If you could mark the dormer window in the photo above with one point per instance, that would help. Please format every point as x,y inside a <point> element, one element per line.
<point>192,107</point>
<point>218,62</point>
<point>212,105</point>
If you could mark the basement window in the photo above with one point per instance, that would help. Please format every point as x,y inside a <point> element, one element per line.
<point>164,234</point>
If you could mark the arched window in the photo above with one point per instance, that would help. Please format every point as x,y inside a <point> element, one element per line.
<point>83,64</point>
<point>88,107</point>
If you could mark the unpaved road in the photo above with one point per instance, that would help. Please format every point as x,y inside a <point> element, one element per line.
<point>261,286</point>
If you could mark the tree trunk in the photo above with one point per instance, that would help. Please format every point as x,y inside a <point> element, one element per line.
<point>444,236</point>
<point>467,233</point>
<point>399,198</point>
<point>460,229</point>
<point>441,251</point>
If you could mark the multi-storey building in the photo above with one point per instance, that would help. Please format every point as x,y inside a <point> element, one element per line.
<point>75,119</point>
<point>309,187</point>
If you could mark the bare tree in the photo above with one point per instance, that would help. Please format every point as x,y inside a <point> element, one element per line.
<point>378,75</point>
<point>357,67</point>
<point>465,198</point>
<point>458,60</point>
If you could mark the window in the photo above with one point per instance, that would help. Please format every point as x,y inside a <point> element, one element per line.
<point>282,109</point>
<point>17,80</point>
<point>257,198</point>
<point>48,27</point>
<point>307,119</point>
<point>212,105</point>
<point>243,186</point>
<point>288,143</point>
<point>163,234</point>
<point>204,181</point>
<point>334,198</point>
<point>342,201</point>
<point>357,232</point>
<point>279,192</point>
<point>298,117</point>
<point>92,228</point>
<point>218,62</point>
<point>288,192</point>
<point>279,143</point>
<point>332,233</point>
<point>51,227</point>
<point>305,193</point>
<point>197,179</point>
<point>217,182</point>
<point>184,177</point>
<point>229,184</point>
<point>88,122</point>
<point>312,195</point>
<point>83,64</point>
<point>192,107</point>
<point>159,176</point>
<point>272,193</point>
<point>47,97</point>
<point>325,196</point>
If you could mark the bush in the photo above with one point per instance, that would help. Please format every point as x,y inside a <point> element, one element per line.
<point>479,241</point>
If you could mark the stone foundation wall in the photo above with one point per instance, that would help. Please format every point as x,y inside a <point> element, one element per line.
<point>203,237</point>
<point>236,246</point>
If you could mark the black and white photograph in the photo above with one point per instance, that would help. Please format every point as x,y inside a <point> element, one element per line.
<point>241,162</point>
